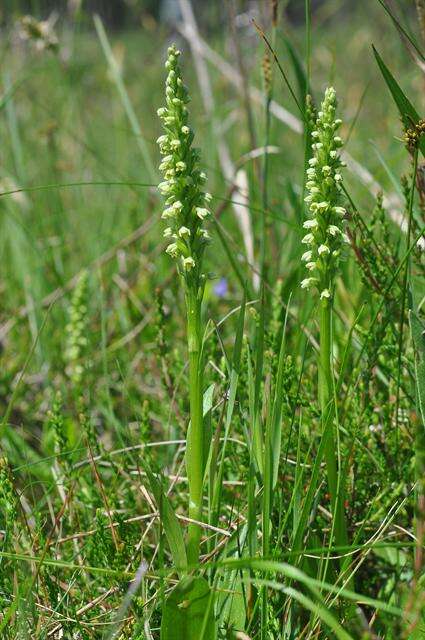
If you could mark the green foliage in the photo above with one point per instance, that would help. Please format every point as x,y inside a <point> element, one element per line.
<point>188,612</point>
<point>98,533</point>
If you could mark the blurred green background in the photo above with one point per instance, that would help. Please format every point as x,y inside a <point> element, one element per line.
<point>63,120</point>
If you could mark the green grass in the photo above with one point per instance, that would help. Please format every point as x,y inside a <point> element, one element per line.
<point>95,375</point>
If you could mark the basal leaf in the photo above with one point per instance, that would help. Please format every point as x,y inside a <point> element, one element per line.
<point>170,523</point>
<point>188,612</point>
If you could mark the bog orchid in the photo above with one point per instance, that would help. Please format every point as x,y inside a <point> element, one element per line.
<point>325,239</point>
<point>185,212</point>
<point>325,227</point>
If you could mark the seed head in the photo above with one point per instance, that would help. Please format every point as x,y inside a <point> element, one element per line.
<point>76,330</point>
<point>8,502</point>
<point>413,135</point>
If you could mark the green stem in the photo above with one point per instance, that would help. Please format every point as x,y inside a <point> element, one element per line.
<point>326,399</point>
<point>195,435</point>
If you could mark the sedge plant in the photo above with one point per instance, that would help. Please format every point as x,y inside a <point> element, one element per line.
<point>185,214</point>
<point>325,240</point>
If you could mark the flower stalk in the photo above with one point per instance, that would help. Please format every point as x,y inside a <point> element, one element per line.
<point>185,213</point>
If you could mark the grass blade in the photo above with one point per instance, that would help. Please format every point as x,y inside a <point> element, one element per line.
<point>170,523</point>
<point>408,113</point>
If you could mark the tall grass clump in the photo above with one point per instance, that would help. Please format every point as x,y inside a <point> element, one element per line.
<point>185,212</point>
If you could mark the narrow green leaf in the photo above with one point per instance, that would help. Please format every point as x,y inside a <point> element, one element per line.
<point>320,611</point>
<point>276,432</point>
<point>259,362</point>
<point>315,585</point>
<point>232,602</point>
<point>418,337</point>
<point>206,412</point>
<point>231,399</point>
<point>408,113</point>
<point>170,523</point>
<point>401,29</point>
<point>298,70</point>
<point>256,435</point>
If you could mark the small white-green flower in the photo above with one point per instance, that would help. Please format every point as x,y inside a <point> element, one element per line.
<point>325,294</point>
<point>310,224</point>
<point>202,213</point>
<point>333,230</point>
<point>188,263</point>
<point>184,232</point>
<point>169,212</point>
<point>308,282</point>
<point>164,187</point>
<point>308,238</point>
<point>306,256</point>
<point>340,210</point>
<point>172,250</point>
<point>323,205</point>
<point>168,232</point>
<point>323,248</point>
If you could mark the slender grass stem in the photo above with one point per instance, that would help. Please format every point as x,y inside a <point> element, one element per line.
<point>265,231</point>
<point>307,9</point>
